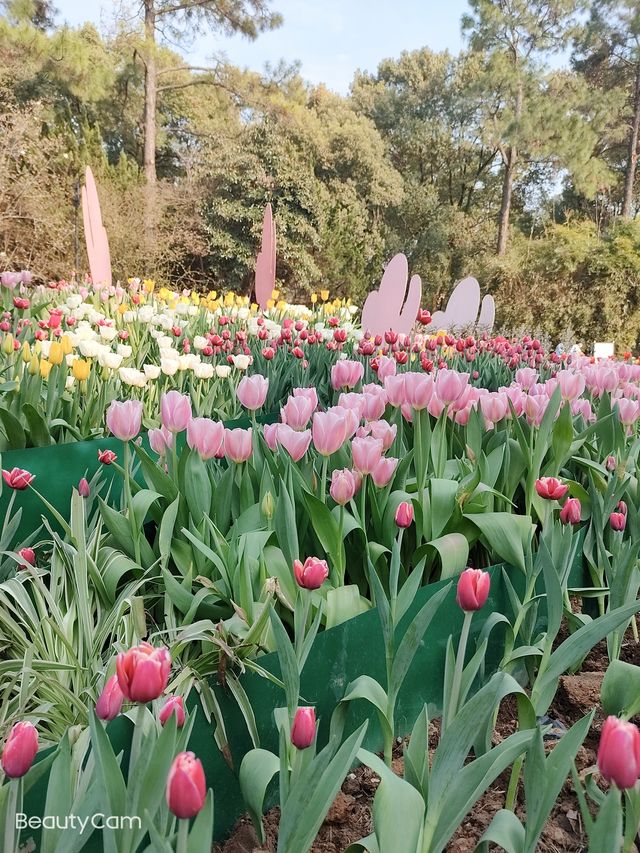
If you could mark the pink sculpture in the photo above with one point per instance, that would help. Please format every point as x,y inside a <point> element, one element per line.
<point>266,260</point>
<point>387,308</point>
<point>94,233</point>
<point>462,309</point>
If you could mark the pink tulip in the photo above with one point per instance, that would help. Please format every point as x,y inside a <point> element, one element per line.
<point>160,440</point>
<point>373,406</point>
<point>20,749</point>
<point>295,443</point>
<point>84,490</point>
<point>206,437</point>
<point>346,374</point>
<point>28,555</point>
<point>450,384</point>
<point>311,574</point>
<point>550,488</point>
<point>436,406</point>
<point>297,412</point>
<point>110,701</point>
<point>386,367</point>
<point>252,391</point>
<point>352,401</point>
<point>418,390</point>
<point>173,705</point>
<point>303,731</point>
<point>124,419</point>
<point>384,471</point>
<point>619,752</point>
<point>17,478</point>
<point>385,432</point>
<point>611,463</point>
<point>395,388</point>
<point>618,521</point>
<point>526,377</point>
<point>329,431</point>
<point>143,672</point>
<point>571,384</point>
<point>175,411</point>
<point>310,393</point>
<point>238,444</point>
<point>270,432</point>
<point>494,407</point>
<point>571,511</point>
<point>404,514</point>
<point>186,786</point>
<point>366,453</point>
<point>627,411</point>
<point>473,589</point>
<point>343,486</point>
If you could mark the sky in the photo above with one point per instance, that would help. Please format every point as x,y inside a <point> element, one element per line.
<point>331,38</point>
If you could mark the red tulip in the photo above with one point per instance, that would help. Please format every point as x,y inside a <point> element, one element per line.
<point>303,730</point>
<point>473,589</point>
<point>84,489</point>
<point>186,786</point>
<point>312,574</point>
<point>143,672</point>
<point>619,752</point>
<point>173,705</point>
<point>29,555</point>
<point>17,478</point>
<point>618,521</point>
<point>19,750</point>
<point>110,701</point>
<point>106,457</point>
<point>404,514</point>
<point>550,488</point>
<point>571,511</point>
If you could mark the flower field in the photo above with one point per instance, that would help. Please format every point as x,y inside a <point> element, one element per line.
<point>305,555</point>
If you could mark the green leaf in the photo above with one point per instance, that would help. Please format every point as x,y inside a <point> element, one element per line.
<point>507,535</point>
<point>258,768</point>
<point>344,603</point>
<point>38,429</point>
<point>288,663</point>
<point>506,831</point>
<point>453,549</point>
<point>201,835</point>
<point>607,829</point>
<point>620,690</point>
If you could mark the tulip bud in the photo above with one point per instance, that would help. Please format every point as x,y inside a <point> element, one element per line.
<point>404,514</point>
<point>186,786</point>
<point>312,574</point>
<point>618,521</point>
<point>303,731</point>
<point>571,511</point>
<point>268,505</point>
<point>110,701</point>
<point>173,705</point>
<point>550,488</point>
<point>28,555</point>
<point>19,750</point>
<point>7,344</point>
<point>34,366</point>
<point>611,463</point>
<point>84,490</point>
<point>473,589</point>
<point>619,752</point>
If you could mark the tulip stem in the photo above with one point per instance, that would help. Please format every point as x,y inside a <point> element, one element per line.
<point>10,839</point>
<point>323,478</point>
<point>136,740</point>
<point>183,836</point>
<point>452,708</point>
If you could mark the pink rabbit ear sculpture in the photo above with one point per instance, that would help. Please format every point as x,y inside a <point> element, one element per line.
<point>266,260</point>
<point>94,233</point>
<point>387,308</point>
<point>462,309</point>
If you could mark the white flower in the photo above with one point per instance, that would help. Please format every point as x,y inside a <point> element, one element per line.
<point>164,341</point>
<point>89,349</point>
<point>112,360</point>
<point>241,361</point>
<point>199,342</point>
<point>45,347</point>
<point>69,382</point>
<point>129,316</point>
<point>188,361</point>
<point>74,301</point>
<point>203,371</point>
<point>151,371</point>
<point>169,366</point>
<point>131,376</point>
<point>108,333</point>
<point>145,314</point>
<point>222,370</point>
<point>124,350</point>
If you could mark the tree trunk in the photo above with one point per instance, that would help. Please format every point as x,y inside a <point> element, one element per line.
<point>150,96</point>
<point>507,183</point>
<point>632,151</point>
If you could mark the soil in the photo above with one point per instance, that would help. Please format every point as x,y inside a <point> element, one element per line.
<point>349,818</point>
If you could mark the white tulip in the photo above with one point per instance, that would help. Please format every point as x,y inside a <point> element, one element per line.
<point>108,333</point>
<point>151,371</point>
<point>124,350</point>
<point>203,371</point>
<point>241,361</point>
<point>169,366</point>
<point>222,370</point>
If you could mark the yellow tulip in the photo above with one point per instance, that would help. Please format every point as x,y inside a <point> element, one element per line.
<point>275,294</point>
<point>26,352</point>
<point>213,294</point>
<point>67,346</point>
<point>56,353</point>
<point>45,368</point>
<point>324,295</point>
<point>254,307</point>
<point>149,284</point>
<point>7,344</point>
<point>81,368</point>
<point>270,303</point>
<point>34,365</point>
<point>122,308</point>
<point>314,298</point>
<point>281,305</point>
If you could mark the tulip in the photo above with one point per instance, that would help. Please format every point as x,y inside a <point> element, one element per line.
<point>550,488</point>
<point>619,752</point>
<point>366,454</point>
<point>384,471</point>
<point>297,412</point>
<point>329,431</point>
<point>295,443</point>
<point>80,369</point>
<point>526,377</point>
<point>418,388</point>
<point>28,555</point>
<point>343,486</point>
<point>186,786</point>
<point>19,750</point>
<point>346,374</point>
<point>303,730</point>
<point>124,419</point>
<point>312,574</point>
<point>395,388</point>
<point>143,672</point>
<point>473,589</point>
<point>106,457</point>
<point>386,367</point>
<point>384,431</point>
<point>238,444</point>
<point>110,701</point>
<point>571,511</point>
<point>270,432</point>
<point>310,393</point>
<point>173,705</point>
<point>17,478</point>
<point>404,514</point>
<point>206,436</point>
<point>450,384</point>
<point>175,411</point>
<point>252,391</point>
<point>84,490</point>
<point>610,463</point>
<point>373,406</point>
<point>571,384</point>
<point>160,440</point>
<point>618,521</point>
<point>622,507</point>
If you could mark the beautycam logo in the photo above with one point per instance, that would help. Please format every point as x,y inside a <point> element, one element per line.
<point>78,824</point>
